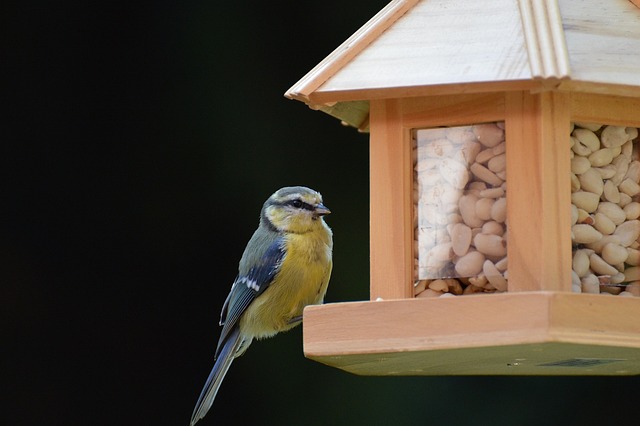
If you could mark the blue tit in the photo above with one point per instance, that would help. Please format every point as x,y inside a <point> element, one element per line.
<point>285,267</point>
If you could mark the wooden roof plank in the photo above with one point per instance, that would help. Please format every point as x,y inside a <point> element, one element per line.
<point>349,49</point>
<point>441,42</point>
<point>603,40</point>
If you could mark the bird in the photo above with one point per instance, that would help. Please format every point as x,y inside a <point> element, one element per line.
<point>285,266</point>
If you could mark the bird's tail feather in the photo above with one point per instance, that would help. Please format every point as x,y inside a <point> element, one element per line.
<point>220,368</point>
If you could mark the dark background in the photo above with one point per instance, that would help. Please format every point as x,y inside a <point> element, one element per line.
<point>140,140</point>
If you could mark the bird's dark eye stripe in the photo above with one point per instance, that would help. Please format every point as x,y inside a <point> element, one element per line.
<point>299,204</point>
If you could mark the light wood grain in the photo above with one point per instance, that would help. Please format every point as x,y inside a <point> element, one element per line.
<point>320,97</point>
<point>603,42</point>
<point>390,198</point>
<point>538,191</point>
<point>437,43</point>
<point>599,88</point>
<point>465,109</point>
<point>542,27</point>
<point>511,333</point>
<point>349,49</point>
<point>594,108</point>
<point>442,47</point>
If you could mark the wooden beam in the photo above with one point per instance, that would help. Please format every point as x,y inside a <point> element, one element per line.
<point>538,191</point>
<point>605,109</point>
<point>391,203</point>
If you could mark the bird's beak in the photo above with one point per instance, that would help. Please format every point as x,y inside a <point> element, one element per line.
<point>321,210</point>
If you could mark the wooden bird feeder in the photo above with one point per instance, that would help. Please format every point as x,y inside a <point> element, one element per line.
<point>504,191</point>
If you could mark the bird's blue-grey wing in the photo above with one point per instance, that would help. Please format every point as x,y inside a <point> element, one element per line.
<point>249,285</point>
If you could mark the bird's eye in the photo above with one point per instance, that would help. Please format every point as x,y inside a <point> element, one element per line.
<point>296,203</point>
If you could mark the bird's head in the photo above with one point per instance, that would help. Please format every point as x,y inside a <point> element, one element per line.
<point>294,209</point>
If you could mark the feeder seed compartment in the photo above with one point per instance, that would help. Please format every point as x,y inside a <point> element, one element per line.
<point>605,190</point>
<point>460,210</point>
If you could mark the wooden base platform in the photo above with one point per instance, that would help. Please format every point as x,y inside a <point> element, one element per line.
<point>521,333</point>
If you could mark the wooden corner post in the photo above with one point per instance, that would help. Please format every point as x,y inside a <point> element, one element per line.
<point>391,201</point>
<point>538,191</point>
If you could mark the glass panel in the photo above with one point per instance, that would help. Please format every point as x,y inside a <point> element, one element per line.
<point>605,195</point>
<point>460,215</point>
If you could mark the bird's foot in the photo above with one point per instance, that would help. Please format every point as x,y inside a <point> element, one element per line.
<point>295,319</point>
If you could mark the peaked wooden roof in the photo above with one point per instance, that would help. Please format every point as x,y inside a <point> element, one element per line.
<point>430,47</point>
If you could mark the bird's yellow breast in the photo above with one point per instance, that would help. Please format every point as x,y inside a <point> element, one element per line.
<point>302,280</point>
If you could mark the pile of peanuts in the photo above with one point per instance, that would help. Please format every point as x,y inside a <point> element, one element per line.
<point>605,195</point>
<point>460,217</point>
